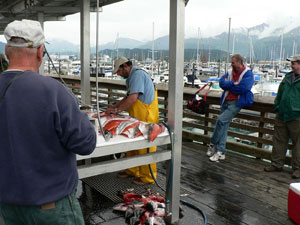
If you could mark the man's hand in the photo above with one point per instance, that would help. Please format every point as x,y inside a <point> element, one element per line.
<point>111,110</point>
<point>236,83</point>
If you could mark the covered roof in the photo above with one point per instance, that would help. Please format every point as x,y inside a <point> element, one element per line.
<point>52,10</point>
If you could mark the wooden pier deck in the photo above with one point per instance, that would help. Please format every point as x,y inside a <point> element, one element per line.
<point>234,191</point>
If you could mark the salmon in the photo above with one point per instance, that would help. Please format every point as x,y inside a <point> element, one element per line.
<point>133,125</point>
<point>124,126</point>
<point>131,132</point>
<point>112,125</point>
<point>144,128</point>
<point>154,131</point>
<point>122,207</point>
<point>142,209</point>
<point>139,133</point>
<point>129,126</point>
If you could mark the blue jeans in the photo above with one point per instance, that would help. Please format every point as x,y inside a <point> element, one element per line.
<point>228,110</point>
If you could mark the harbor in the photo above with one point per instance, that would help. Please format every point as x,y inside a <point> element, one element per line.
<point>267,76</point>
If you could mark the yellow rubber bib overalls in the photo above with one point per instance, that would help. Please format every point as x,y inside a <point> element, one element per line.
<point>147,113</point>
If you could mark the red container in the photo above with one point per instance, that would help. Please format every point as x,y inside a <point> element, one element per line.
<point>294,202</point>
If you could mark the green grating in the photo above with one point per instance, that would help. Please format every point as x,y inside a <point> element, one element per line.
<point>109,185</point>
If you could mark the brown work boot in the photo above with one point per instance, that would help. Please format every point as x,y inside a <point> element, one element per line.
<point>138,181</point>
<point>123,174</point>
<point>296,174</point>
<point>272,168</point>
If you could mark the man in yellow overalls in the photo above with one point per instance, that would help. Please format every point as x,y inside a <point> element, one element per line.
<point>141,102</point>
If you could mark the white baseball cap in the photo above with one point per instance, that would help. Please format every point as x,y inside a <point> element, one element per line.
<point>118,63</point>
<point>295,58</point>
<point>29,30</point>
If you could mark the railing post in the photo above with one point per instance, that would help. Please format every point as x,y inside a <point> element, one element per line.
<point>206,123</point>
<point>109,90</point>
<point>261,134</point>
<point>165,107</point>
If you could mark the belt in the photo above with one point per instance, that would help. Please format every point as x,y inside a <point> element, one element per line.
<point>48,206</point>
<point>231,101</point>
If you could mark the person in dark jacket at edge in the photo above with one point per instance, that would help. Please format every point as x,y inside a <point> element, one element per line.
<point>42,130</point>
<point>3,63</point>
<point>237,84</point>
<point>287,121</point>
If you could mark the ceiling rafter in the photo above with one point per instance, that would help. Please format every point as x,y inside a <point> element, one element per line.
<point>53,9</point>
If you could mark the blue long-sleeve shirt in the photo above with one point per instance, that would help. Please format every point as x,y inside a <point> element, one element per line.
<point>41,131</point>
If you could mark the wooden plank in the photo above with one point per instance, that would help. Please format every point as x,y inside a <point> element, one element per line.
<point>232,124</point>
<point>234,188</point>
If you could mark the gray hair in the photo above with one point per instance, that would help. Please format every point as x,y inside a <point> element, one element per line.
<point>238,58</point>
<point>24,50</point>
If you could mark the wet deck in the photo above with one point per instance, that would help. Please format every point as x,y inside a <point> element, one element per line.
<point>234,191</point>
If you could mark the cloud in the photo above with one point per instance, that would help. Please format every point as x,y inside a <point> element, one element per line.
<point>280,24</point>
<point>134,18</point>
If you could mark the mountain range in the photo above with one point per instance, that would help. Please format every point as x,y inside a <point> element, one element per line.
<point>264,40</point>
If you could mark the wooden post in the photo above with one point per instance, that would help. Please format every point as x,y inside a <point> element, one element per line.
<point>261,134</point>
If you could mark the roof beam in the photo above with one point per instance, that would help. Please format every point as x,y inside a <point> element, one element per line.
<point>34,17</point>
<point>19,7</point>
<point>64,9</point>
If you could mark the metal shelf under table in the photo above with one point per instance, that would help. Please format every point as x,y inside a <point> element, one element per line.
<point>119,144</point>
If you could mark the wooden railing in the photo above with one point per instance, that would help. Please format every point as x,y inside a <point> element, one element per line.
<point>250,131</point>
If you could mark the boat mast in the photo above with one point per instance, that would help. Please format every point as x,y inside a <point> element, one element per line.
<point>233,42</point>
<point>228,45</point>
<point>152,50</point>
<point>117,45</point>
<point>208,55</point>
<point>252,53</point>
<point>294,48</point>
<point>281,44</point>
<point>250,49</point>
<point>198,44</point>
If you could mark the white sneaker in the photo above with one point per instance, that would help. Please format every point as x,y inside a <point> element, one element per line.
<point>211,150</point>
<point>217,156</point>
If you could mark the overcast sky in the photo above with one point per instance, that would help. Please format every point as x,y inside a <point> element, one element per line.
<point>134,19</point>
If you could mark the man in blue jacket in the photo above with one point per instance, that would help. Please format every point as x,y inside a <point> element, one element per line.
<point>42,130</point>
<point>237,84</point>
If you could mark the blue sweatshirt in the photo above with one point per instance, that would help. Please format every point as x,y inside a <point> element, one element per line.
<point>243,89</point>
<point>41,131</point>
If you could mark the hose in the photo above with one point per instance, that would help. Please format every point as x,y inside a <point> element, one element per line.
<point>189,204</point>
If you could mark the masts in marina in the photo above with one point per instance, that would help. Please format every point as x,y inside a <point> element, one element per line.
<point>228,45</point>
<point>117,50</point>
<point>117,45</point>
<point>233,44</point>
<point>294,52</point>
<point>198,45</point>
<point>281,45</point>
<point>252,56</point>
<point>152,51</point>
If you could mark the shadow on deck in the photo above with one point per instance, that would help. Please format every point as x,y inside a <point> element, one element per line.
<point>234,191</point>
